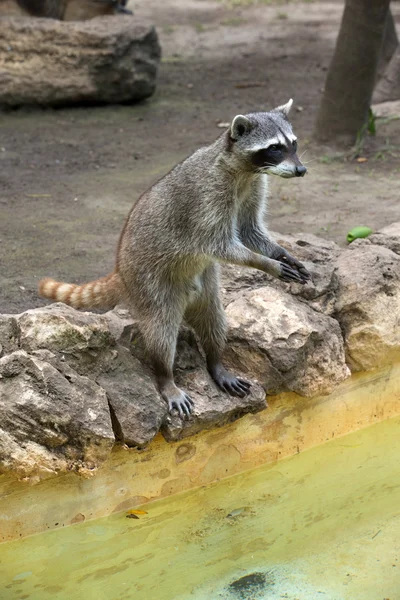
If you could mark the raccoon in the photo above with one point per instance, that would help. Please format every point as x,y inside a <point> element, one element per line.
<point>209,209</point>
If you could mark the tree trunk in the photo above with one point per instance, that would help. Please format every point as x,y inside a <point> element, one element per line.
<point>343,113</point>
<point>388,87</point>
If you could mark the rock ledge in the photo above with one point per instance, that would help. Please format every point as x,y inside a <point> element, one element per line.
<point>72,384</point>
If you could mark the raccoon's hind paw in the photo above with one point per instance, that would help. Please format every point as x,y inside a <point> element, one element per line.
<point>234,386</point>
<point>182,404</point>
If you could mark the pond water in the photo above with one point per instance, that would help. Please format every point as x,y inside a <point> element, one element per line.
<point>324,524</point>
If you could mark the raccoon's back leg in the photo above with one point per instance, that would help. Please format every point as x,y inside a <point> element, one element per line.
<point>159,311</point>
<point>207,317</point>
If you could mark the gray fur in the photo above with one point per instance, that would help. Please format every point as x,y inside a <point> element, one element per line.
<point>209,209</point>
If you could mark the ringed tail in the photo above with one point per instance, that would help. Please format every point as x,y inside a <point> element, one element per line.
<point>102,293</point>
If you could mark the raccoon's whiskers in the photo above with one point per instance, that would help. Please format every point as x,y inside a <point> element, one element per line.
<point>303,153</point>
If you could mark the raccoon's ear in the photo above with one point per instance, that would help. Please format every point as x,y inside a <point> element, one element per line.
<point>285,108</point>
<point>240,126</point>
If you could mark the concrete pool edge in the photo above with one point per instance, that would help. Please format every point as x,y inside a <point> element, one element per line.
<point>129,478</point>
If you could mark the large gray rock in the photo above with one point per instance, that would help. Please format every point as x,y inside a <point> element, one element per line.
<point>368,304</point>
<point>284,343</point>
<point>97,346</point>
<point>49,62</point>
<point>52,419</point>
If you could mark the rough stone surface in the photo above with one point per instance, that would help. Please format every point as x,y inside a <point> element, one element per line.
<point>388,236</point>
<point>9,334</point>
<point>368,304</point>
<point>284,343</point>
<point>49,62</point>
<point>52,420</point>
<point>136,406</point>
<point>82,338</point>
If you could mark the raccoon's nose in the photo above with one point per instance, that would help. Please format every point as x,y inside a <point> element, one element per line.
<point>301,171</point>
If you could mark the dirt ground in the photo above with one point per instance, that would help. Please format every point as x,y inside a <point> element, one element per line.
<point>68,177</point>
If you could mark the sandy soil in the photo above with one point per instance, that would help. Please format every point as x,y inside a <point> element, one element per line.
<point>69,177</point>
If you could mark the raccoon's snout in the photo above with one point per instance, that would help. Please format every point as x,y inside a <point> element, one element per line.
<point>301,171</point>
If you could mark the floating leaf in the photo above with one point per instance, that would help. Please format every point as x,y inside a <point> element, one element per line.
<point>135,511</point>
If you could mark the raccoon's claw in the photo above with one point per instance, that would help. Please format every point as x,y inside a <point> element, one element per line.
<point>235,386</point>
<point>180,402</point>
<point>229,383</point>
<point>305,273</point>
<point>183,405</point>
<point>289,275</point>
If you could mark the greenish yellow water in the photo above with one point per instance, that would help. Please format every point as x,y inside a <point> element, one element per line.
<point>324,524</point>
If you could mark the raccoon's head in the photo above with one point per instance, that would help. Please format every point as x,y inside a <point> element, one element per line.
<point>266,143</point>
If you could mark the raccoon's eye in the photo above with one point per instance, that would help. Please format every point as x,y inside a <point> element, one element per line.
<point>274,148</point>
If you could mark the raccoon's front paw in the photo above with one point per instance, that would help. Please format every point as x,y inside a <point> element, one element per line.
<point>290,275</point>
<point>288,260</point>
